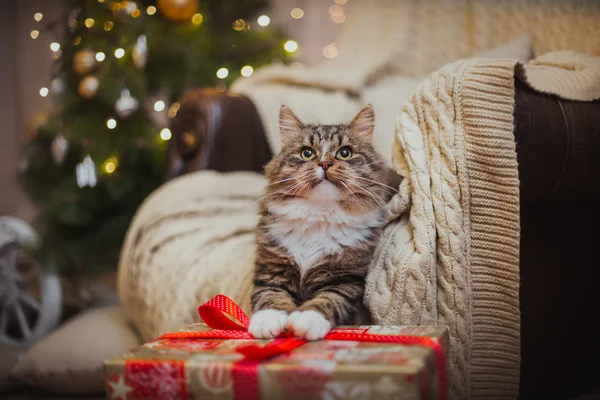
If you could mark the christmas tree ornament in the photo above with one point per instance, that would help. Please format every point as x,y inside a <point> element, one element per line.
<point>126,104</point>
<point>125,9</point>
<point>23,166</point>
<point>177,10</point>
<point>84,61</point>
<point>59,148</point>
<point>57,87</point>
<point>86,173</point>
<point>88,87</point>
<point>140,52</point>
<point>38,120</point>
<point>72,21</point>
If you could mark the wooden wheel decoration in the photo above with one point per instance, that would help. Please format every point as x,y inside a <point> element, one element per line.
<point>30,298</point>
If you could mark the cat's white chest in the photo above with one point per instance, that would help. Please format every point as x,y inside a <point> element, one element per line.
<point>310,230</point>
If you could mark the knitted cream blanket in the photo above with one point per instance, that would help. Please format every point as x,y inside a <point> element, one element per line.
<point>449,255</point>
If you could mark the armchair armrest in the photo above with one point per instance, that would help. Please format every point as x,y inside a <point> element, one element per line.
<point>219,131</point>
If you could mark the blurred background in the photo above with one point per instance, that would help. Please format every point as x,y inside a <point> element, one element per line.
<point>89,88</point>
<point>26,66</point>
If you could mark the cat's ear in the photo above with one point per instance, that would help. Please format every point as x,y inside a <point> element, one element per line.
<point>289,124</point>
<point>363,124</point>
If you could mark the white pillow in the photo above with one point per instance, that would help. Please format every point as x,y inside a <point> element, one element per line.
<point>389,95</point>
<point>71,360</point>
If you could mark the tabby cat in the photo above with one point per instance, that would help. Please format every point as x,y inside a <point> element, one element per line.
<point>320,221</point>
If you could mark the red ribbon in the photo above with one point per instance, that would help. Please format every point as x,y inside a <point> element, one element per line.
<point>216,312</point>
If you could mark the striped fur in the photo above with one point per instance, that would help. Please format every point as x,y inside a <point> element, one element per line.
<point>319,228</point>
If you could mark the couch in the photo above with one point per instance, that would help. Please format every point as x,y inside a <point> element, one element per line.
<point>558,150</point>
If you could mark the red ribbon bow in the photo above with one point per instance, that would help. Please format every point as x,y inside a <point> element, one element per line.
<point>215,314</point>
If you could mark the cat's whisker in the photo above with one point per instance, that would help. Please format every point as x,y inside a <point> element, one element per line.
<point>283,190</point>
<point>289,179</point>
<point>375,182</point>
<point>349,190</point>
<point>291,189</point>
<point>380,202</point>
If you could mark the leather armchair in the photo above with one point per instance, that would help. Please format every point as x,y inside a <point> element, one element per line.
<point>558,149</point>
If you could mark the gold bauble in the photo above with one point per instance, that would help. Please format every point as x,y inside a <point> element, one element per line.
<point>178,10</point>
<point>83,61</point>
<point>38,120</point>
<point>88,87</point>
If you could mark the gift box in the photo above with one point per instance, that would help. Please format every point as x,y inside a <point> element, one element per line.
<point>219,359</point>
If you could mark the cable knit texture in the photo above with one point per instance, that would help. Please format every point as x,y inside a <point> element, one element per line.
<point>192,239</point>
<point>457,261</point>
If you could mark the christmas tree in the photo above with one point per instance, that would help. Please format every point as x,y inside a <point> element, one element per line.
<point>120,67</point>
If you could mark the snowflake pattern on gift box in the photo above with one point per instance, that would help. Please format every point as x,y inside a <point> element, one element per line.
<point>383,389</point>
<point>156,379</point>
<point>343,390</point>
<point>215,377</point>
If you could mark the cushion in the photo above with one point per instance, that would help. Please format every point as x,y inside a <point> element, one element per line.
<point>388,95</point>
<point>71,359</point>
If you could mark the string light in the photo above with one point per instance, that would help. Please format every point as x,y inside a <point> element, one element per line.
<point>337,14</point>
<point>159,105</point>
<point>151,10</point>
<point>44,92</point>
<point>338,18</point>
<point>247,70</point>
<point>108,25</point>
<point>119,53</point>
<point>335,9</point>
<point>165,134</point>
<point>110,165</point>
<point>263,20</point>
<point>129,6</point>
<point>100,56</point>
<point>77,40</point>
<point>222,73</point>
<point>136,13</point>
<point>297,13</point>
<point>238,24</point>
<point>100,1</point>
<point>330,51</point>
<point>111,123</point>
<point>290,46</point>
<point>197,19</point>
<point>174,109</point>
<point>34,34</point>
<point>54,46</point>
<point>38,16</point>
<point>89,22</point>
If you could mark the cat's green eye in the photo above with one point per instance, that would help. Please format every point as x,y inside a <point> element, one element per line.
<point>344,154</point>
<point>307,154</point>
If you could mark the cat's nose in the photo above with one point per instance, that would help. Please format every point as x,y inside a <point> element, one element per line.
<point>325,164</point>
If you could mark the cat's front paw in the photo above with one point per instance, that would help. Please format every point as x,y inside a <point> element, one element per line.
<point>309,324</point>
<point>267,324</point>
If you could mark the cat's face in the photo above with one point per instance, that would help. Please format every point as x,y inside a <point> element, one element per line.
<point>327,163</point>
